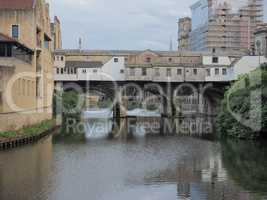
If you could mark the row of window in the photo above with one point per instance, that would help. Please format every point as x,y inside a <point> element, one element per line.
<point>144,71</point>
<point>178,72</point>
<point>25,87</point>
<point>59,58</point>
<point>15,34</point>
<point>74,71</point>
<point>66,71</point>
<point>149,60</point>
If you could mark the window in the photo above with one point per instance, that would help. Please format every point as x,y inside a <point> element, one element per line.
<point>208,72</point>
<point>170,59</point>
<point>213,50</point>
<point>1,101</point>
<point>215,59</point>
<point>195,71</point>
<point>84,71</point>
<point>179,71</point>
<point>125,59</point>
<point>5,50</point>
<point>28,88</point>
<point>217,71</point>
<point>144,72</point>
<point>62,71</point>
<point>122,71</point>
<point>132,72</point>
<point>38,87</point>
<point>15,31</point>
<point>62,58</point>
<point>148,60</point>
<point>116,60</point>
<point>224,71</point>
<point>46,42</point>
<point>157,73</point>
<point>95,70</point>
<point>2,50</point>
<point>57,70</point>
<point>169,73</point>
<point>23,87</point>
<point>8,50</point>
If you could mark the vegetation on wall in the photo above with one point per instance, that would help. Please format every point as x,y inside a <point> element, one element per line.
<point>244,107</point>
<point>29,130</point>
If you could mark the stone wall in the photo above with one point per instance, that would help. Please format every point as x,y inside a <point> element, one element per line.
<point>18,120</point>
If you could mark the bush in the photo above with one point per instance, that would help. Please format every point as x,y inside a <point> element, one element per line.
<point>239,96</point>
<point>68,106</point>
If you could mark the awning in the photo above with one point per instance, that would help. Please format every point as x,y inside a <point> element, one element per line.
<point>4,39</point>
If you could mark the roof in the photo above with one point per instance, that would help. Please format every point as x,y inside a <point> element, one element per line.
<point>6,39</point>
<point>74,52</point>
<point>17,4</point>
<point>122,52</point>
<point>83,64</point>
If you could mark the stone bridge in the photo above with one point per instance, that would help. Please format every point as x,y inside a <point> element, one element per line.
<point>170,99</point>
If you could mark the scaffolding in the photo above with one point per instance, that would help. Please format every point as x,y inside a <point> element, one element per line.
<point>229,29</point>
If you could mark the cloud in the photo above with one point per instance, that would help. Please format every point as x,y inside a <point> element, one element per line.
<point>120,24</point>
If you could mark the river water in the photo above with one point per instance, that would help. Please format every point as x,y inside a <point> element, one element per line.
<point>140,168</point>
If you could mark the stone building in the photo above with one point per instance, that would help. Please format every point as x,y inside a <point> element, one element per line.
<point>141,66</point>
<point>26,64</point>
<point>184,29</point>
<point>56,33</point>
<point>261,40</point>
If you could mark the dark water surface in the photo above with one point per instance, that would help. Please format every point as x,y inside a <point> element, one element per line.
<point>143,168</point>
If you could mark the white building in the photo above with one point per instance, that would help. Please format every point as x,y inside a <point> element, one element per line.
<point>112,70</point>
<point>218,68</point>
<point>247,64</point>
<point>149,66</point>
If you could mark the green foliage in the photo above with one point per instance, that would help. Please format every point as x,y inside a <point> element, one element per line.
<point>237,100</point>
<point>107,103</point>
<point>29,130</point>
<point>72,104</point>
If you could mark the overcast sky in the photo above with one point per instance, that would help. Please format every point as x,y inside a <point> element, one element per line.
<point>121,24</point>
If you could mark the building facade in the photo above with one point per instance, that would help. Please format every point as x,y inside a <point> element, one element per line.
<point>56,34</point>
<point>220,27</point>
<point>26,63</point>
<point>184,30</point>
<point>261,40</point>
<point>141,66</point>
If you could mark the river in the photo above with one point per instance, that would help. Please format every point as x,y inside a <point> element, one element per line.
<point>140,168</point>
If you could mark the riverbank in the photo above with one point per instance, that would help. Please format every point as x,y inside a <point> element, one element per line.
<point>27,135</point>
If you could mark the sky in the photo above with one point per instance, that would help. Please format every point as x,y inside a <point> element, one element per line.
<point>121,24</point>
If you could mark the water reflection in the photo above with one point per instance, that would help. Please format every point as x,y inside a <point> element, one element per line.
<point>246,163</point>
<point>172,168</point>
<point>25,172</point>
<point>97,128</point>
<point>141,126</point>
